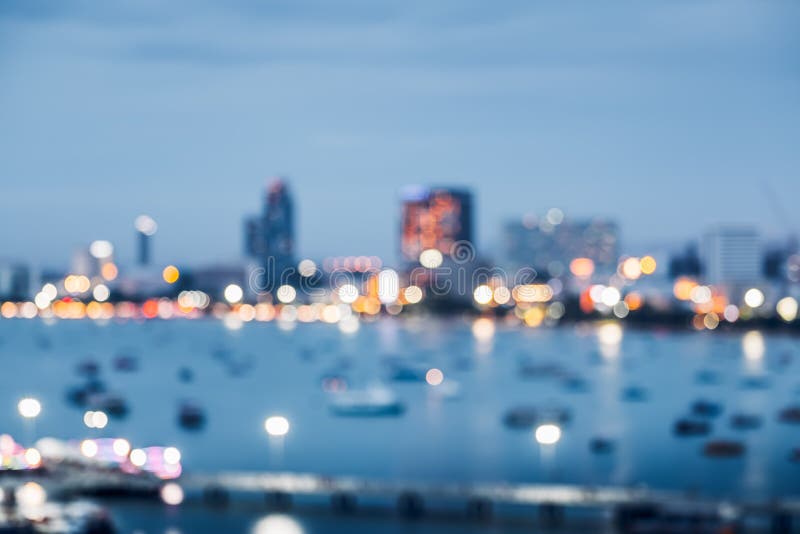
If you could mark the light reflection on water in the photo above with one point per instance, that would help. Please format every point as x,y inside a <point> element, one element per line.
<point>268,370</point>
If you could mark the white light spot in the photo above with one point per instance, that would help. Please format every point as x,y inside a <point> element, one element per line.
<point>276,425</point>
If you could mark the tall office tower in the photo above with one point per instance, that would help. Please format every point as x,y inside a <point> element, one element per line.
<point>277,234</point>
<point>434,218</point>
<point>732,257</point>
<point>550,243</point>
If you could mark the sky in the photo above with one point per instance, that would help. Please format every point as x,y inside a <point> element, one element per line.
<point>668,116</point>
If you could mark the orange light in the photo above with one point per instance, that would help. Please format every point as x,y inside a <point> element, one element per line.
<point>683,288</point>
<point>648,265</point>
<point>581,267</point>
<point>150,308</point>
<point>634,301</point>
<point>109,271</point>
<point>170,274</point>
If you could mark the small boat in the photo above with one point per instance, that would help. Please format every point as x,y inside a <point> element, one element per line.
<point>404,371</point>
<point>79,395</point>
<point>707,377</point>
<point>634,394</point>
<point>746,421</point>
<point>706,408</point>
<point>526,417</point>
<point>600,445</point>
<point>755,382</point>
<point>722,448</point>
<point>541,370</point>
<point>575,384</point>
<point>790,414</point>
<point>112,404</point>
<point>88,368</point>
<point>521,417</point>
<point>191,416</point>
<point>371,402</point>
<point>333,383</point>
<point>691,427</point>
<point>185,374</point>
<point>126,363</point>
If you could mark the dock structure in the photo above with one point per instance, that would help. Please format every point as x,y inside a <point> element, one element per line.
<point>627,505</point>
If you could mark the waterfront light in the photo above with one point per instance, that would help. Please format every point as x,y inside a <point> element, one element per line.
<point>787,309</point>
<point>172,494</point>
<point>547,434</point>
<point>581,267</point>
<point>50,291</point>
<point>648,265</point>
<point>89,448</point>
<point>431,258</point>
<point>138,457</point>
<point>276,425</point>
<point>307,268</point>
<point>33,457</point>
<point>631,268</point>
<point>754,297</point>
<point>286,294</point>
<point>348,293</point>
<point>121,447</point>
<point>482,294</point>
<point>101,293</point>
<point>171,455</point>
<point>388,286</point>
<point>434,377</point>
<point>233,293</point>
<point>29,408</point>
<point>610,296</point>
<point>413,294</point>
<point>501,295</point>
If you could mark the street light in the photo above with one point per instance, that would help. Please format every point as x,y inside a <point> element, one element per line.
<point>29,408</point>
<point>547,434</point>
<point>276,425</point>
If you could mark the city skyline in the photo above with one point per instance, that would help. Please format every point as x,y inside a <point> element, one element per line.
<point>630,112</point>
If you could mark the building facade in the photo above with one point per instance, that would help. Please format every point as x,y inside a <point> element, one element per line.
<point>434,218</point>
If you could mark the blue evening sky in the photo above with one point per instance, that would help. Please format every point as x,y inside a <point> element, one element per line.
<point>666,115</point>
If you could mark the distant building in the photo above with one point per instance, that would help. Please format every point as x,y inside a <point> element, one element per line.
<point>732,257</point>
<point>15,281</point>
<point>434,218</point>
<point>213,279</point>
<point>549,244</point>
<point>146,227</point>
<point>253,239</point>
<point>686,262</point>
<point>269,237</point>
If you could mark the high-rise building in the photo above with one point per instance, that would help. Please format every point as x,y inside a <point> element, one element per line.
<point>277,234</point>
<point>434,218</point>
<point>550,243</point>
<point>732,256</point>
